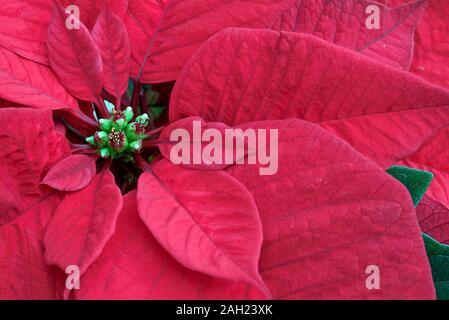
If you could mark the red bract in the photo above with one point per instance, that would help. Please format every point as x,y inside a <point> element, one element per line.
<point>431,54</point>
<point>386,114</point>
<point>433,218</point>
<point>213,228</point>
<point>30,147</point>
<point>82,223</point>
<point>31,84</point>
<point>88,185</point>
<point>74,57</point>
<point>182,29</point>
<point>115,54</point>
<point>23,28</point>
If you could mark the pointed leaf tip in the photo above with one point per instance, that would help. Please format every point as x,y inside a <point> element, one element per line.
<point>416,181</point>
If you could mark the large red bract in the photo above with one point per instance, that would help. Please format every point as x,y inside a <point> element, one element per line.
<point>86,179</point>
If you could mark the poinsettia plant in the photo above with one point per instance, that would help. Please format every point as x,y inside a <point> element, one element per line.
<point>92,93</point>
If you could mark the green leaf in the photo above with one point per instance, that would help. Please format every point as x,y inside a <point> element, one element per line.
<point>438,255</point>
<point>416,181</point>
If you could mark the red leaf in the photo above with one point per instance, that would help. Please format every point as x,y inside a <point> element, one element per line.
<point>74,57</point>
<point>30,144</point>
<point>134,266</point>
<point>23,28</point>
<point>112,40</point>
<point>25,275</point>
<point>433,218</point>
<point>142,20</point>
<point>186,24</point>
<point>32,84</point>
<point>433,155</point>
<point>385,113</point>
<point>206,220</point>
<point>431,59</point>
<point>344,23</point>
<point>83,223</point>
<point>327,215</point>
<point>72,173</point>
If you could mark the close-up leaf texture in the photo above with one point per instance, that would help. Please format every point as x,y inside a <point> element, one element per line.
<point>236,150</point>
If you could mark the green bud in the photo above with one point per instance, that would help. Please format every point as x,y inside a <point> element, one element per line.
<point>128,114</point>
<point>131,131</point>
<point>135,146</point>
<point>143,119</point>
<point>101,138</point>
<point>91,140</point>
<point>105,153</point>
<point>120,124</point>
<point>105,125</point>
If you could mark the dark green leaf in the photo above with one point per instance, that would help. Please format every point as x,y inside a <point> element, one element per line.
<point>438,255</point>
<point>416,181</point>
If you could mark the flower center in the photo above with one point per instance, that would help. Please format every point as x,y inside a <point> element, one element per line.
<point>119,135</point>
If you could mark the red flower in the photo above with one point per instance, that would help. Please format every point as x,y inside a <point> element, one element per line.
<point>85,186</point>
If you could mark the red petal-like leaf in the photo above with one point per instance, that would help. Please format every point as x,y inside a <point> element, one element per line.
<point>74,57</point>
<point>30,144</point>
<point>431,58</point>
<point>344,23</point>
<point>324,83</point>
<point>433,219</point>
<point>32,84</point>
<point>186,24</point>
<point>24,272</point>
<point>433,156</point>
<point>142,20</point>
<point>83,223</point>
<point>206,220</point>
<point>112,40</point>
<point>134,266</point>
<point>72,173</point>
<point>23,28</point>
<point>329,214</point>
<point>385,113</point>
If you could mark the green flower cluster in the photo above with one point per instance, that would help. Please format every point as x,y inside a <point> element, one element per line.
<point>118,136</point>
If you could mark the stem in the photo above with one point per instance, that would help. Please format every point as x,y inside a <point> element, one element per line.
<point>155,131</point>
<point>107,165</point>
<point>118,104</point>
<point>78,134</point>
<point>143,105</point>
<point>147,144</point>
<point>84,119</point>
<point>90,152</point>
<point>135,96</point>
<point>102,109</point>
<point>142,163</point>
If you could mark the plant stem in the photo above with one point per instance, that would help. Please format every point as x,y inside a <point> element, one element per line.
<point>102,109</point>
<point>135,96</point>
